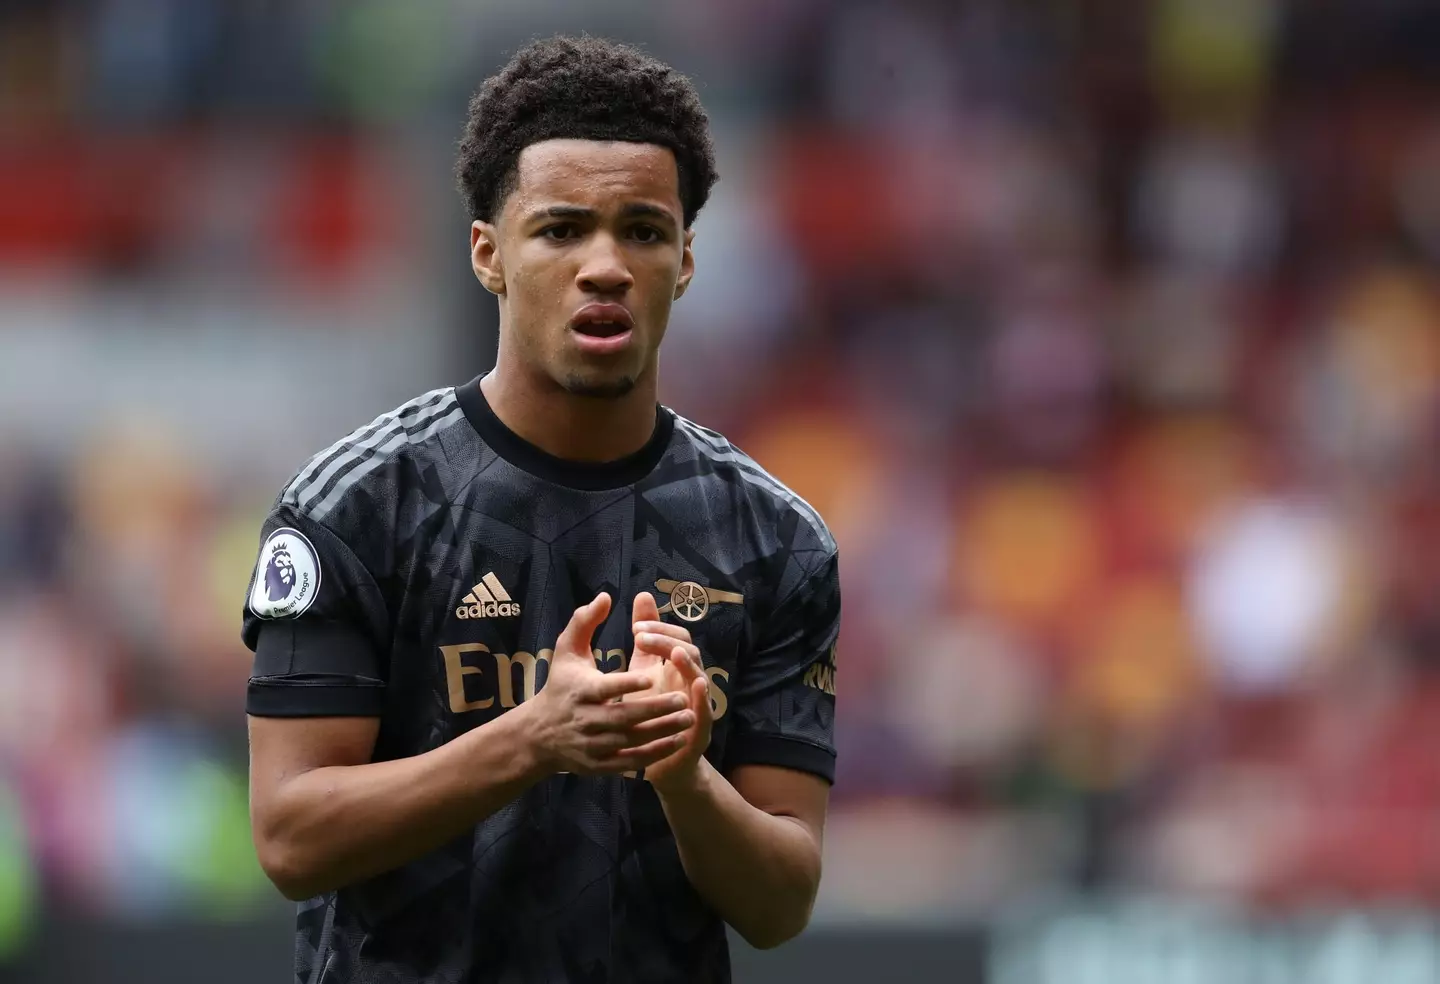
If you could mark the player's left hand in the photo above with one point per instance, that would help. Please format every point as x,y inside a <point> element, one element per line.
<point>666,653</point>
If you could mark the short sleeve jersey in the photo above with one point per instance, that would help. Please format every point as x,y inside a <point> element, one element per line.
<point>420,571</point>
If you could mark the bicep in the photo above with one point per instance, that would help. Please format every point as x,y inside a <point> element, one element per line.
<point>284,748</point>
<point>780,792</point>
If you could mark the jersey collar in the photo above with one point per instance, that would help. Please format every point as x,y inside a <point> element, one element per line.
<point>587,475</point>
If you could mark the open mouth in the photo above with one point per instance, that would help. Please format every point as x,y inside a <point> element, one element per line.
<point>602,320</point>
<point>601,329</point>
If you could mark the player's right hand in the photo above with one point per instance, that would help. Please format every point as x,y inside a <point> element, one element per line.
<point>581,724</point>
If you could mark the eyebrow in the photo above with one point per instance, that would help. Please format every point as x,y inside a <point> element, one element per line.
<point>639,210</point>
<point>634,210</point>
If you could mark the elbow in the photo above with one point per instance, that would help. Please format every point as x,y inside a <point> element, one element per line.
<point>294,890</point>
<point>285,871</point>
<point>285,864</point>
<point>297,890</point>
<point>783,924</point>
<point>767,940</point>
<point>772,934</point>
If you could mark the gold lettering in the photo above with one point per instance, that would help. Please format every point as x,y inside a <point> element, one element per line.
<point>821,677</point>
<point>455,673</point>
<point>529,665</point>
<point>719,703</point>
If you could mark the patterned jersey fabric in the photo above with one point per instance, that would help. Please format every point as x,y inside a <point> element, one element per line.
<point>420,571</point>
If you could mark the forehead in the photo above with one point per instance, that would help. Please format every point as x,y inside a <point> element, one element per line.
<point>595,174</point>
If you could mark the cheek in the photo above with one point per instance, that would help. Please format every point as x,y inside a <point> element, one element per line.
<point>660,282</point>
<point>535,288</point>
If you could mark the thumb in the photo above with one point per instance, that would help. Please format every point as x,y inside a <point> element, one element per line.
<point>644,609</point>
<point>587,618</point>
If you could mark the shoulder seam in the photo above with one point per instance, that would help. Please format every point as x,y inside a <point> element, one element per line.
<point>380,456</point>
<point>720,449</point>
<point>334,457</point>
<point>318,487</point>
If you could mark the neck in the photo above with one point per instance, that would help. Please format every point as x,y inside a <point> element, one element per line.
<point>575,428</point>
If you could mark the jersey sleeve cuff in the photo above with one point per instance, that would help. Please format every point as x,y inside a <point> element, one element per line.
<point>314,697</point>
<point>777,750</point>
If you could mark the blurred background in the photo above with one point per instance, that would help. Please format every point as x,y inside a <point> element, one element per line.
<point>1105,335</point>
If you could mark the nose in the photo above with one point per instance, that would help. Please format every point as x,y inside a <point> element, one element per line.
<point>603,269</point>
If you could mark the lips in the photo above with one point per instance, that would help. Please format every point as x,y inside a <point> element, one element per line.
<point>602,320</point>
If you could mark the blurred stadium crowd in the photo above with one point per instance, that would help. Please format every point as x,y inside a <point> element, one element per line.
<point>1106,336</point>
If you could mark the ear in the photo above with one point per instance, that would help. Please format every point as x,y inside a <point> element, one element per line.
<point>687,265</point>
<point>485,257</point>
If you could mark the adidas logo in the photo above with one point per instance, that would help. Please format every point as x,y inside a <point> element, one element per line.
<point>488,599</point>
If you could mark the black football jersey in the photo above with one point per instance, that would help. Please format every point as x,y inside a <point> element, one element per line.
<point>420,571</point>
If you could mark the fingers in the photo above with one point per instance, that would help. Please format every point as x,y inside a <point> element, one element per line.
<point>610,686</point>
<point>700,700</point>
<point>645,609</point>
<point>660,727</point>
<point>587,618</point>
<point>640,709</point>
<point>663,645</point>
<point>647,754</point>
<point>687,660</point>
<point>697,685</point>
<point>660,628</point>
<point>610,738</point>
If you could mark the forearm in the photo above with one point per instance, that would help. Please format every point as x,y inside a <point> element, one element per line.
<point>333,826</point>
<point>759,872</point>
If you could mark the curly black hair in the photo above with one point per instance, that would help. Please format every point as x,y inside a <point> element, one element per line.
<point>585,88</point>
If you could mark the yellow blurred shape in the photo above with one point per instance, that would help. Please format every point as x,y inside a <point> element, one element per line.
<point>232,557</point>
<point>1212,54</point>
<point>1139,666</point>
<point>829,462</point>
<point>1387,336</point>
<point>1136,672</point>
<point>1028,547</point>
<point>135,482</point>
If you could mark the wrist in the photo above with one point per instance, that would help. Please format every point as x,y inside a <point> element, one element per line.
<point>530,753</point>
<point>686,784</point>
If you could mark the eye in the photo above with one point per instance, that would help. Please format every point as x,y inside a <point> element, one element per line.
<point>560,232</point>
<point>647,234</point>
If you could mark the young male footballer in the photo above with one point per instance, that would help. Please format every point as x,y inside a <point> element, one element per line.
<point>543,686</point>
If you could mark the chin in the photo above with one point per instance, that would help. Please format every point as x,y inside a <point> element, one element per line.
<point>598,387</point>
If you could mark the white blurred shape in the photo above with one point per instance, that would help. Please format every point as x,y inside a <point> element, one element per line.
<point>1263,589</point>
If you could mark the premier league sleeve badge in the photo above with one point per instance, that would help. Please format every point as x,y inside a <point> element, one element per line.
<point>287,575</point>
